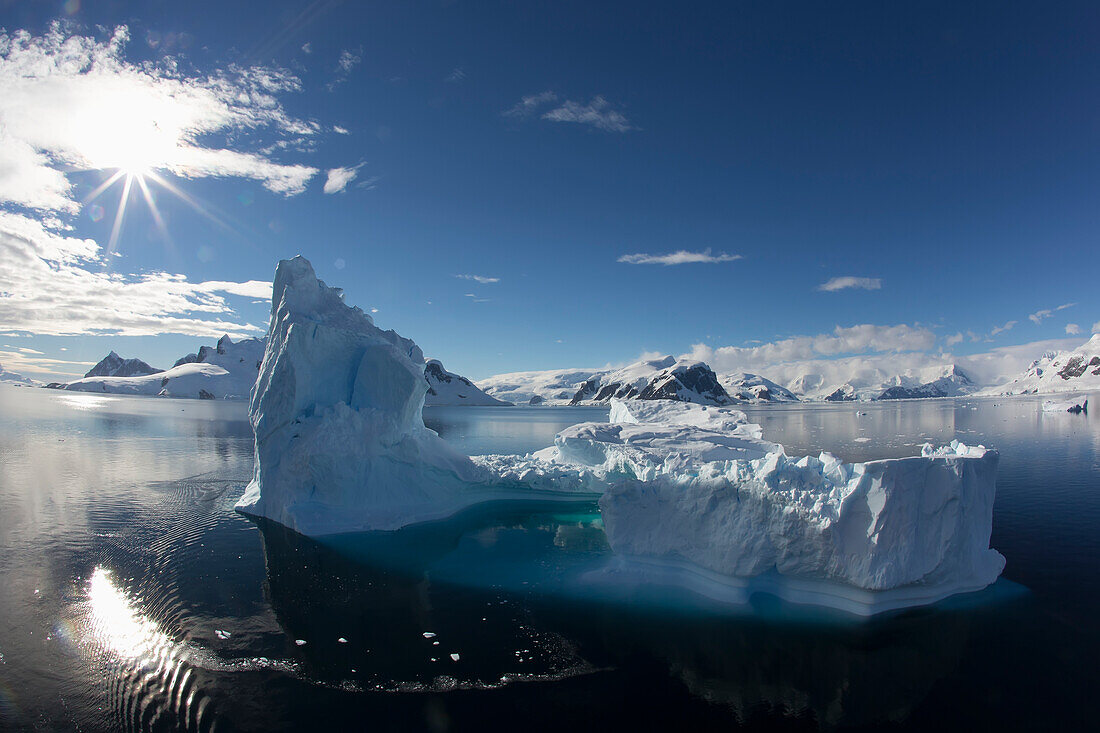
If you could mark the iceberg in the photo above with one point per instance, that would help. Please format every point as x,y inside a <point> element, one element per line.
<point>1074,407</point>
<point>341,446</point>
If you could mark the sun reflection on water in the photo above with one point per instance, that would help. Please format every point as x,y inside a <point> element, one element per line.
<point>117,626</point>
<point>151,676</point>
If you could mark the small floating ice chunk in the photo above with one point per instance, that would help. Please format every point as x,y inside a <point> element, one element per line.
<point>222,634</point>
<point>342,640</point>
<point>429,634</point>
<point>1074,407</point>
<point>300,642</point>
<point>455,657</point>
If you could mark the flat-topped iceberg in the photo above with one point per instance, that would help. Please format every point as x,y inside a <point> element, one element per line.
<point>341,446</point>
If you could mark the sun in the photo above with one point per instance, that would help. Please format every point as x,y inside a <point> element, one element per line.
<point>133,146</point>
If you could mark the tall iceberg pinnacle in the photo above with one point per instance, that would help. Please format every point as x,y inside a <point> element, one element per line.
<point>340,439</point>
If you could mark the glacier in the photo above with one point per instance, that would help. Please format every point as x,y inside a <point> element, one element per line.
<point>693,490</point>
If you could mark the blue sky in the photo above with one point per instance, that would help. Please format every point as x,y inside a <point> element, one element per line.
<point>940,158</point>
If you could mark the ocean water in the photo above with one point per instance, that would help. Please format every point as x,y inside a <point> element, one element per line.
<point>133,597</point>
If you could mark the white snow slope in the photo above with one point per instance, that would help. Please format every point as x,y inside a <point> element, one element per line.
<point>448,388</point>
<point>553,387</point>
<point>225,372</point>
<point>753,388</point>
<point>341,446</point>
<point>1077,370</point>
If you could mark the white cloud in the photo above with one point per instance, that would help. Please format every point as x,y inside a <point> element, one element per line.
<point>480,279</point>
<point>1038,316</point>
<point>72,102</point>
<point>1008,326</point>
<point>34,365</point>
<point>1073,329</point>
<point>860,339</point>
<point>59,285</point>
<point>679,257</point>
<point>1096,327</point>
<point>340,130</point>
<point>456,75</point>
<point>307,48</point>
<point>955,339</point>
<point>348,61</point>
<point>598,112</point>
<point>339,178</point>
<point>847,281</point>
<point>25,350</point>
<point>527,105</point>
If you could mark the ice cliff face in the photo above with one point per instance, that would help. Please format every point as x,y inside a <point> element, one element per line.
<point>114,365</point>
<point>1063,371</point>
<point>448,388</point>
<point>340,442</point>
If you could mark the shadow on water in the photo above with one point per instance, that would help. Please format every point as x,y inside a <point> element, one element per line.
<point>384,612</point>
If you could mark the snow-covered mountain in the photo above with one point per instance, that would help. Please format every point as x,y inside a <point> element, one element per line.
<point>552,387</point>
<point>448,388</point>
<point>1077,370</point>
<point>655,379</point>
<point>752,388</point>
<point>946,380</point>
<point>226,371</point>
<point>114,365</point>
<point>7,377</point>
<point>950,381</point>
<point>652,379</point>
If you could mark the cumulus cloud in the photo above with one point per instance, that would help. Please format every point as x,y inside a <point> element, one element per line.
<point>1038,316</point>
<point>680,257</point>
<point>847,281</point>
<point>1073,329</point>
<point>954,339</point>
<point>72,102</point>
<point>481,279</point>
<point>339,178</point>
<point>860,339</point>
<point>597,112</point>
<point>54,284</point>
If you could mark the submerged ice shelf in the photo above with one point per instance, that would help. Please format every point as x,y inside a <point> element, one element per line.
<point>341,447</point>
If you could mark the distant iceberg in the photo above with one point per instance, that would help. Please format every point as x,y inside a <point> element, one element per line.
<point>341,447</point>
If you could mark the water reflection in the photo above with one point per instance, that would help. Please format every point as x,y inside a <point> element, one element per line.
<point>377,610</point>
<point>151,681</point>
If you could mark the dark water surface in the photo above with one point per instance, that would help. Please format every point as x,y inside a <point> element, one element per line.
<point>133,597</point>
